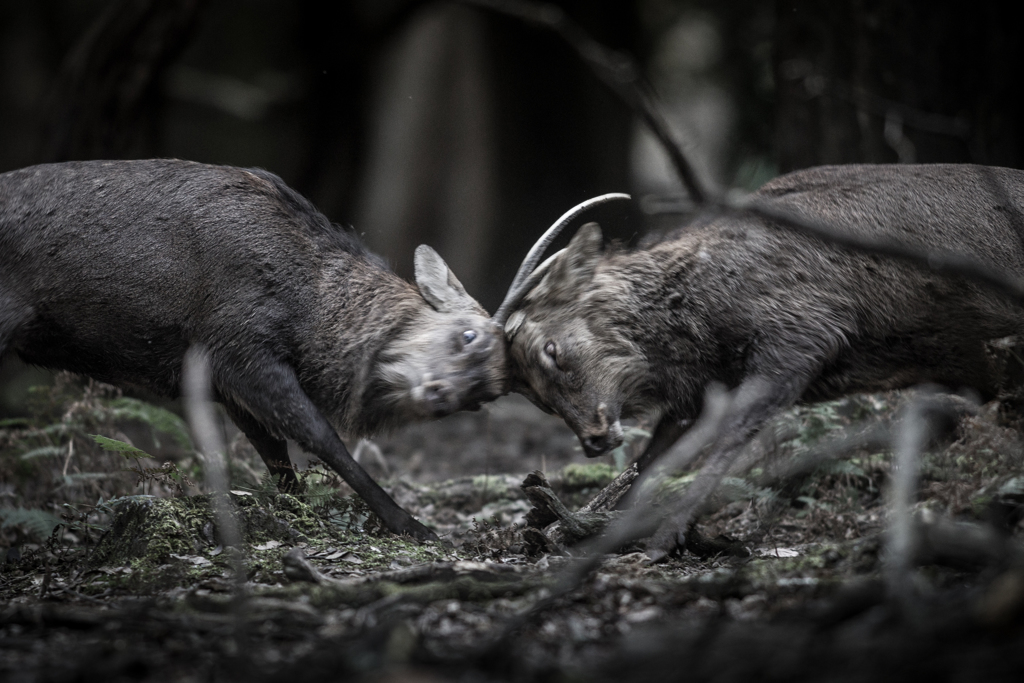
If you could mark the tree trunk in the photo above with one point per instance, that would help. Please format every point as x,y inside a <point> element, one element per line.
<point>872,81</point>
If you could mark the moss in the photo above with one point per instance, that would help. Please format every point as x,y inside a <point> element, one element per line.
<point>167,542</point>
<point>151,530</point>
<point>492,487</point>
<point>810,566</point>
<point>587,476</point>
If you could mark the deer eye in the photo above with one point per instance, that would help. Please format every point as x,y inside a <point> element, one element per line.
<point>552,351</point>
<point>468,336</point>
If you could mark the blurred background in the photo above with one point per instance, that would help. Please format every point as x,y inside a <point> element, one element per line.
<point>441,123</point>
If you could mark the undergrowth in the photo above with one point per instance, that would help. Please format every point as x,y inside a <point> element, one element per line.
<point>73,452</point>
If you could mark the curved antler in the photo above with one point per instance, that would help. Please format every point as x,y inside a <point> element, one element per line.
<point>522,283</point>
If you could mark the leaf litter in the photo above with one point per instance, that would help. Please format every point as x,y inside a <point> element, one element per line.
<point>791,579</point>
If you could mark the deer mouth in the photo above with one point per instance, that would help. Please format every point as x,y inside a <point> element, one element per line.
<point>599,443</point>
<point>436,398</point>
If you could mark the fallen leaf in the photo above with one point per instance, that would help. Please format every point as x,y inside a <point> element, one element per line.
<point>269,545</point>
<point>779,552</point>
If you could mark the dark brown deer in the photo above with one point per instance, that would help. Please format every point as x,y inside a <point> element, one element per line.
<point>782,318</point>
<point>113,269</point>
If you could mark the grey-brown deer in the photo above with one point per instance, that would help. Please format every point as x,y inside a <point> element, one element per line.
<point>601,334</point>
<point>113,269</point>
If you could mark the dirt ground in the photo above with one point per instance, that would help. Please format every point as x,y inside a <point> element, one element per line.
<point>112,575</point>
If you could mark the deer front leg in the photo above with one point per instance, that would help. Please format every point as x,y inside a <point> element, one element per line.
<point>273,397</point>
<point>272,450</point>
<point>666,434</point>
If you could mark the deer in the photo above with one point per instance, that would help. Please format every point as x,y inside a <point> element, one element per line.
<point>600,334</point>
<point>114,269</point>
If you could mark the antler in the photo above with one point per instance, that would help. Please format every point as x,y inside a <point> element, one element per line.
<point>523,283</point>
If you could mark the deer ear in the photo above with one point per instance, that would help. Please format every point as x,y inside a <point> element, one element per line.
<point>438,284</point>
<point>574,267</point>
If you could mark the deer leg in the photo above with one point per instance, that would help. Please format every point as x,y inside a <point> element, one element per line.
<point>666,433</point>
<point>755,401</point>
<point>272,450</point>
<point>11,316</point>
<point>273,397</point>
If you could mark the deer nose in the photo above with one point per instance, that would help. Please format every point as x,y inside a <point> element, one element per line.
<point>437,394</point>
<point>595,445</point>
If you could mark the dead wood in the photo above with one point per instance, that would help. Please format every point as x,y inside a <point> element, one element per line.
<point>420,584</point>
<point>610,495</point>
<point>551,526</point>
<point>940,540</point>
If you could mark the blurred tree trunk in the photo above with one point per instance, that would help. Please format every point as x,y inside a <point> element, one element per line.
<point>895,80</point>
<point>565,136</point>
<point>107,84</point>
<point>341,41</point>
<point>430,170</point>
<point>484,130</point>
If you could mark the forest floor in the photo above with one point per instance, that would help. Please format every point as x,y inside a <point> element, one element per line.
<point>120,575</point>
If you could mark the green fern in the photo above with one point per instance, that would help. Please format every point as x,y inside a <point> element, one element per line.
<point>839,467</point>
<point>162,421</point>
<point>110,506</point>
<point>57,429</point>
<point>318,494</point>
<point>268,486</point>
<point>126,449</point>
<point>43,452</point>
<point>737,488</point>
<point>818,421</point>
<point>39,523</point>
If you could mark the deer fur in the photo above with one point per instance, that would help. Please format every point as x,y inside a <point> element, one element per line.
<point>781,317</point>
<point>113,269</point>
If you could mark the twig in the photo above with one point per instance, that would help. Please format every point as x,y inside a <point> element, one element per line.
<point>638,522</point>
<point>909,443</point>
<point>619,71</point>
<point>876,434</point>
<point>71,453</point>
<point>198,407</point>
<point>816,84</point>
<point>75,594</point>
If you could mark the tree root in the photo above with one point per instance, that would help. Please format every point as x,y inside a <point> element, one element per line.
<point>551,526</point>
<point>473,581</point>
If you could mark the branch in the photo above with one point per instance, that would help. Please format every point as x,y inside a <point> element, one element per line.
<point>618,70</point>
<point>640,521</point>
<point>199,408</point>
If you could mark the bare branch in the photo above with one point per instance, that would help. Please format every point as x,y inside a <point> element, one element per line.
<point>199,409</point>
<point>639,521</point>
<point>910,441</point>
<point>816,84</point>
<point>618,70</point>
